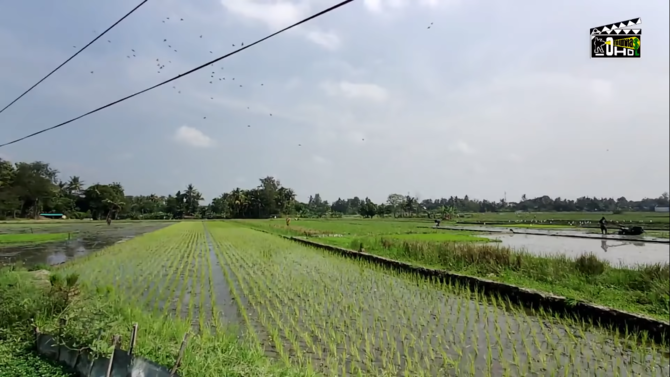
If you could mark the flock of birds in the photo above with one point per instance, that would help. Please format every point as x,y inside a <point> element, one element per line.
<point>213,76</point>
<point>162,63</point>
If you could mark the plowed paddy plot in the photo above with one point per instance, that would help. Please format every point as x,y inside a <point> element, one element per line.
<point>348,318</point>
<point>340,317</point>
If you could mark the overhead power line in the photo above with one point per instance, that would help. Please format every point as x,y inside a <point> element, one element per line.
<point>77,53</point>
<point>336,6</point>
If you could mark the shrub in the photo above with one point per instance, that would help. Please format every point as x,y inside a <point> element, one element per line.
<point>590,265</point>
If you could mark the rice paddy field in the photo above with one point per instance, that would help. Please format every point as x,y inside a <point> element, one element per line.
<point>321,313</point>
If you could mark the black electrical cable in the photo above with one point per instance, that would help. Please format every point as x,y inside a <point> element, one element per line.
<point>77,53</point>
<point>345,2</point>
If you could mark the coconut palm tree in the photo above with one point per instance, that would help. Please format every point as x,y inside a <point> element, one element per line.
<point>75,186</point>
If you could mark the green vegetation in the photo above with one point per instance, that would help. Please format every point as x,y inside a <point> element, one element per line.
<point>260,305</point>
<point>31,238</point>
<point>643,289</point>
<point>97,300</point>
<point>29,189</point>
<point>358,318</point>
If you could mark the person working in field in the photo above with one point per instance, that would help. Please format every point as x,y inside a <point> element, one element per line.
<point>603,225</point>
<point>288,221</point>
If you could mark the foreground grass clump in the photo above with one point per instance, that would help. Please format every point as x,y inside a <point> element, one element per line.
<point>111,292</point>
<point>342,317</point>
<point>30,238</point>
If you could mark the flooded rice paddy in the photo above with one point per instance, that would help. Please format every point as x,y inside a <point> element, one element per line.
<point>557,232</point>
<point>617,252</point>
<point>84,239</point>
<point>339,317</point>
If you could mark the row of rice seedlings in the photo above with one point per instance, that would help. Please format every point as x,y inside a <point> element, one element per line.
<point>189,292</point>
<point>230,277</point>
<point>147,281</point>
<point>279,335</point>
<point>113,266</point>
<point>166,289</point>
<point>174,295</point>
<point>270,319</point>
<point>204,291</point>
<point>156,279</point>
<point>400,321</point>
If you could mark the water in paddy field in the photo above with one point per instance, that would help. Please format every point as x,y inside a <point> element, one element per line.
<point>615,251</point>
<point>85,239</point>
<point>557,232</point>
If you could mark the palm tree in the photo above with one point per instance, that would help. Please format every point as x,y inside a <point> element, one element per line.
<point>409,204</point>
<point>75,185</point>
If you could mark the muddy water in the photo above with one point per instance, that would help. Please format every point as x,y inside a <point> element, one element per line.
<point>349,315</point>
<point>615,251</point>
<point>555,232</point>
<point>222,294</point>
<point>85,239</point>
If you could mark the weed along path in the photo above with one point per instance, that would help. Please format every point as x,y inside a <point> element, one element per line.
<point>344,317</point>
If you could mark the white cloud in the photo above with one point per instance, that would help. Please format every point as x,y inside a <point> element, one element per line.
<point>381,6</point>
<point>513,157</point>
<point>347,89</point>
<point>276,15</point>
<point>327,39</point>
<point>193,137</point>
<point>462,147</point>
<point>319,160</point>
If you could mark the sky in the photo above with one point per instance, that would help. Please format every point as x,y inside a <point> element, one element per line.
<point>431,98</point>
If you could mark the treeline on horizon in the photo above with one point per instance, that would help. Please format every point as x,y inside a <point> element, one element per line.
<point>28,189</point>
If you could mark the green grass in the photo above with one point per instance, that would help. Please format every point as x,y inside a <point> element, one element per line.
<point>31,238</point>
<point>215,351</point>
<point>18,360</point>
<point>643,289</point>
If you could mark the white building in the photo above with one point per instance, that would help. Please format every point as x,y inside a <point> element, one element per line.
<point>661,209</point>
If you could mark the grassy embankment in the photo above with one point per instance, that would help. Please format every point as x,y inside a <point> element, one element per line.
<point>109,291</point>
<point>31,238</point>
<point>643,289</point>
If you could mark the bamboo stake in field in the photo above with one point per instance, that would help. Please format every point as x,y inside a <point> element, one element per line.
<point>182,349</point>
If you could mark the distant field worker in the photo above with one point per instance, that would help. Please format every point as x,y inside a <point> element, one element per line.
<point>288,221</point>
<point>603,225</point>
